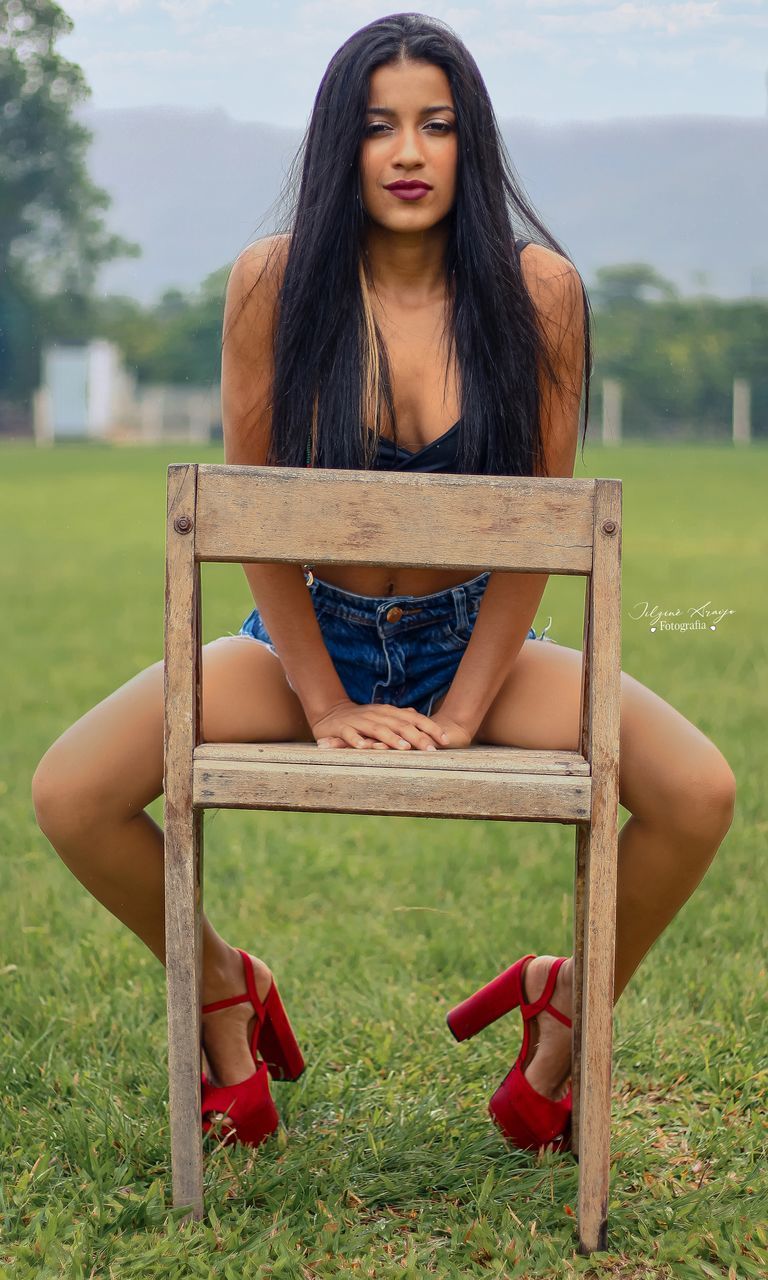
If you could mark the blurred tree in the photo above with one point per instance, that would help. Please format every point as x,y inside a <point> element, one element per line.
<point>630,282</point>
<point>677,359</point>
<point>52,234</point>
<point>177,340</point>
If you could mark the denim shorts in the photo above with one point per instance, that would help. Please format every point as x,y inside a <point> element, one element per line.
<point>403,650</point>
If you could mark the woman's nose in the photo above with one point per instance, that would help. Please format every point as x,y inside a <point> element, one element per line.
<point>409,147</point>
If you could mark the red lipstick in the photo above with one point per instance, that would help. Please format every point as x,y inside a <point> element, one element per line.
<point>408,189</point>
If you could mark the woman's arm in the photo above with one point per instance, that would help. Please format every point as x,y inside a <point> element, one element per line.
<point>247,371</point>
<point>511,599</point>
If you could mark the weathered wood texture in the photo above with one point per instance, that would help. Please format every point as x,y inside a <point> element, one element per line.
<point>582,837</point>
<point>600,858</point>
<point>223,513</point>
<point>368,517</point>
<point>480,782</point>
<point>419,793</point>
<point>183,837</point>
<point>474,758</point>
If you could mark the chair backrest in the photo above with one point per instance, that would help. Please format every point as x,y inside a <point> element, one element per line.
<point>325,516</point>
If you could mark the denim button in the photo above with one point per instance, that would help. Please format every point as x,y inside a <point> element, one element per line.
<point>394,614</point>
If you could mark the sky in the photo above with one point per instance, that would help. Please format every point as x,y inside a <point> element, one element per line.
<point>547,60</point>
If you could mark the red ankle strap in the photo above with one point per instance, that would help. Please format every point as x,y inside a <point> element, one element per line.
<point>225,1004</point>
<point>249,980</point>
<point>250,994</point>
<point>543,1002</point>
<point>562,1017</point>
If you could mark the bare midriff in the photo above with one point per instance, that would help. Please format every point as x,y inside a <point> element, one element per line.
<point>364,580</point>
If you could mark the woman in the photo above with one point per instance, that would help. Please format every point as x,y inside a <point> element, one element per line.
<point>399,325</point>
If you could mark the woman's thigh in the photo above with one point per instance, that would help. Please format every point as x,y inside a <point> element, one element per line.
<point>109,763</point>
<point>668,768</point>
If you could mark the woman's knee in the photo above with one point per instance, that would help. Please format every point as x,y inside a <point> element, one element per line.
<point>66,803</point>
<point>107,766</point>
<point>672,776</point>
<point>717,792</point>
<point>700,807</point>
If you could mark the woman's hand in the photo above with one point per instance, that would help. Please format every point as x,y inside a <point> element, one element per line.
<point>458,735</point>
<point>379,725</point>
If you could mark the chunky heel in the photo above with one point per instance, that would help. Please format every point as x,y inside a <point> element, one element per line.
<point>528,1119</point>
<point>491,1002</point>
<point>248,1104</point>
<point>277,1043</point>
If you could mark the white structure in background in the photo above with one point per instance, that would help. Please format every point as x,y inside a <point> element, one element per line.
<point>82,393</point>
<point>87,392</point>
<point>742,411</point>
<point>611,411</point>
<point>160,413</point>
<point>741,426</point>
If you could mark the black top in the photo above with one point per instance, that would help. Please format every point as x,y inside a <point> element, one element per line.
<point>438,455</point>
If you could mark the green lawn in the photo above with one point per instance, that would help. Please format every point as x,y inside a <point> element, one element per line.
<point>387,1164</point>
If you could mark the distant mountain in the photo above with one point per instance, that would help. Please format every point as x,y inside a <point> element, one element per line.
<point>688,195</point>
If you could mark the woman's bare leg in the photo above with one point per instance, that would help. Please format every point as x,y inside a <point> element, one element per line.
<point>678,788</point>
<point>91,787</point>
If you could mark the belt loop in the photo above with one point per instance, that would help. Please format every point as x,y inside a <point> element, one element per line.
<point>460,604</point>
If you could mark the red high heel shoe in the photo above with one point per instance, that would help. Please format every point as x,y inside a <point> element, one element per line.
<point>248,1104</point>
<point>527,1118</point>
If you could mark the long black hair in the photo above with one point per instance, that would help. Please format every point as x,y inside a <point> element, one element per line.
<point>332,380</point>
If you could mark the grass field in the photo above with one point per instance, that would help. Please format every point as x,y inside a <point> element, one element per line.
<point>387,1164</point>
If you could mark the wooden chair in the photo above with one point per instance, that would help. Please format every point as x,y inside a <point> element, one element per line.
<point>274,514</point>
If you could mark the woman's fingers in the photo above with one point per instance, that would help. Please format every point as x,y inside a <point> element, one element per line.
<point>422,724</point>
<point>390,737</point>
<point>351,736</point>
<point>373,734</point>
<point>416,738</point>
<point>419,731</point>
<point>380,726</point>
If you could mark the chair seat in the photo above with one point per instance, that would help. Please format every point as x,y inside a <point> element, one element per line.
<point>476,782</point>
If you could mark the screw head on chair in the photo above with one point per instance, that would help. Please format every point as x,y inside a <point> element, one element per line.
<point>182,524</point>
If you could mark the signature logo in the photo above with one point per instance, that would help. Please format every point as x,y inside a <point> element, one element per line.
<point>700,617</point>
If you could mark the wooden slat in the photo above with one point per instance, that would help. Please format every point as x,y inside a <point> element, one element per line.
<point>238,784</point>
<point>473,759</point>
<point>577,977</point>
<point>183,838</point>
<point>600,872</point>
<point>325,516</point>
<point>580,862</point>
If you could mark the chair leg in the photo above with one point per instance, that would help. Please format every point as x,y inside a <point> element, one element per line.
<point>183,920</point>
<point>600,847</point>
<point>582,836</point>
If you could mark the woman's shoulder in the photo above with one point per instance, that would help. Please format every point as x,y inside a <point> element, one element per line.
<point>253,287</point>
<point>262,262</point>
<point>554,286</point>
<point>247,349</point>
<point>545,269</point>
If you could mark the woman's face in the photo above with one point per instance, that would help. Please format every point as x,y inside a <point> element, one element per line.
<point>409,136</point>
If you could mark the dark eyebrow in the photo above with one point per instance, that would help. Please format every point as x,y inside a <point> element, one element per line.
<point>387,111</point>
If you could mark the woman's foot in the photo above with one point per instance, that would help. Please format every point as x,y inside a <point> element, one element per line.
<point>548,1065</point>
<point>227,1033</point>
